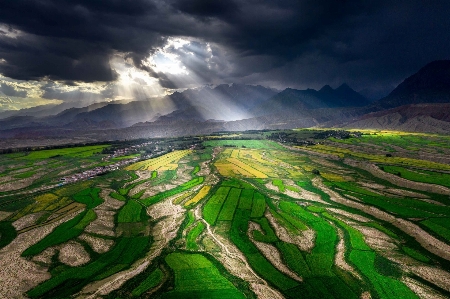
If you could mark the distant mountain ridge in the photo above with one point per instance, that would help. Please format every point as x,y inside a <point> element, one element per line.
<point>291,100</point>
<point>431,84</point>
<point>246,107</point>
<point>433,118</point>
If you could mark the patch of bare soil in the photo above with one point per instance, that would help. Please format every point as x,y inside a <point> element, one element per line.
<point>272,187</point>
<point>73,254</point>
<point>169,218</point>
<point>340,256</point>
<point>204,169</point>
<point>396,180</point>
<point>366,295</point>
<point>383,190</point>
<point>21,170</point>
<point>27,220</point>
<point>4,215</point>
<point>110,203</point>
<point>143,175</point>
<point>153,190</point>
<point>139,188</point>
<point>349,215</point>
<point>407,193</point>
<point>325,162</point>
<point>271,253</point>
<point>371,185</point>
<point>427,241</point>
<point>6,178</point>
<point>45,256</point>
<point>67,171</point>
<point>376,239</point>
<point>104,224</point>
<point>308,195</point>
<point>99,245</point>
<point>434,275</point>
<point>17,184</point>
<point>305,240</point>
<point>302,194</point>
<point>264,291</point>
<point>421,290</point>
<point>17,274</point>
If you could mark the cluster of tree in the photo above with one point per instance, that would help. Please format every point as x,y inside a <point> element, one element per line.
<point>290,137</point>
<point>49,147</point>
<point>338,134</point>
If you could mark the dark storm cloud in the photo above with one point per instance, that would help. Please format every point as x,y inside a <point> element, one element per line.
<point>208,8</point>
<point>73,40</point>
<point>292,42</point>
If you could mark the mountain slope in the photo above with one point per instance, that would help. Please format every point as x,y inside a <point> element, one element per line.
<point>292,100</point>
<point>224,102</point>
<point>431,118</point>
<point>431,84</point>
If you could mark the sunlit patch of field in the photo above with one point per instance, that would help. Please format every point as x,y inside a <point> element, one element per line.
<point>333,177</point>
<point>199,196</point>
<point>166,162</point>
<point>250,163</point>
<point>255,144</point>
<point>342,153</point>
<point>223,136</point>
<point>248,168</point>
<point>75,152</point>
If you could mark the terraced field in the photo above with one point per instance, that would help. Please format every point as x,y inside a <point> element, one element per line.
<point>364,217</point>
<point>166,162</point>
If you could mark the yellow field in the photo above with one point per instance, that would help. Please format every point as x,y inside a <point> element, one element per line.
<point>166,162</point>
<point>231,170</point>
<point>249,163</point>
<point>237,167</point>
<point>259,167</point>
<point>255,155</point>
<point>200,195</point>
<point>47,201</point>
<point>170,166</point>
<point>341,152</point>
<point>182,197</point>
<point>333,177</point>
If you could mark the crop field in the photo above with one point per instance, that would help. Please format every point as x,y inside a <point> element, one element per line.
<point>166,162</point>
<point>362,217</point>
<point>251,163</point>
<point>75,152</point>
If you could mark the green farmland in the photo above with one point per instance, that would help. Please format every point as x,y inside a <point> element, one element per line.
<point>363,217</point>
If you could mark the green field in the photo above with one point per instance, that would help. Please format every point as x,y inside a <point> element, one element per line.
<point>75,152</point>
<point>197,277</point>
<point>418,175</point>
<point>209,217</point>
<point>255,144</point>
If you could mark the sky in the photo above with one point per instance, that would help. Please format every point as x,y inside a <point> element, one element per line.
<point>84,51</point>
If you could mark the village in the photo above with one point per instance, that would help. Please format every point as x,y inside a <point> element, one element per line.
<point>153,149</point>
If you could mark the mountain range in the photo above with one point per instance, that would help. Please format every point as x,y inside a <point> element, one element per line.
<point>420,103</point>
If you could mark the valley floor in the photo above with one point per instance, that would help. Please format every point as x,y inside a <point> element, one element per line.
<point>365,216</point>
